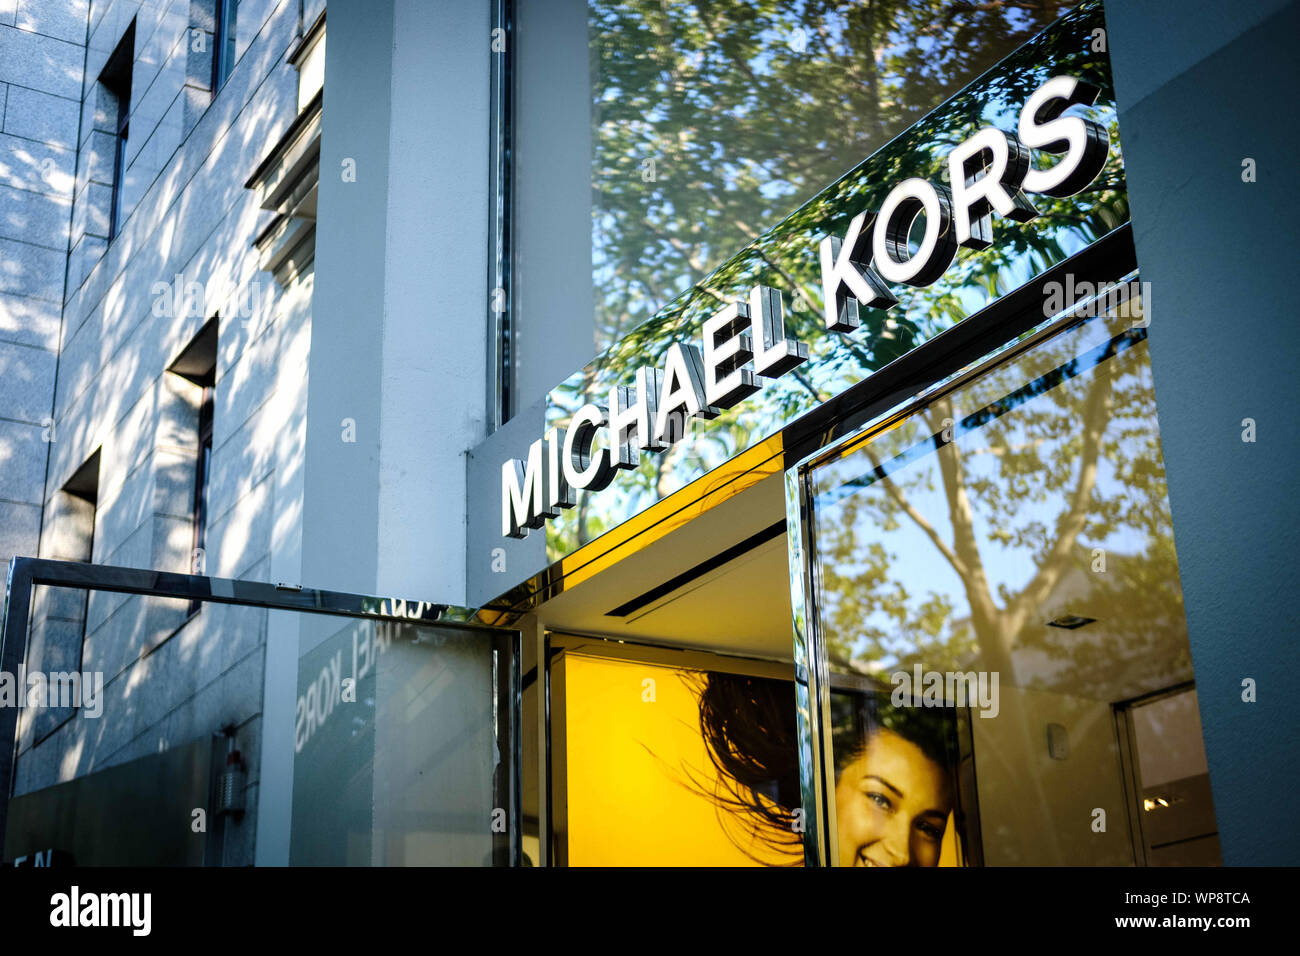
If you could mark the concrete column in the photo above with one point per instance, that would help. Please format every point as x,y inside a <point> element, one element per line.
<point>397,362</point>
<point>399,350</point>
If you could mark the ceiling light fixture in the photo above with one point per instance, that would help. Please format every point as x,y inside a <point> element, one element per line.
<point>1070,621</point>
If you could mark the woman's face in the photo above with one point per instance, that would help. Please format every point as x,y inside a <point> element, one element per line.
<point>892,804</point>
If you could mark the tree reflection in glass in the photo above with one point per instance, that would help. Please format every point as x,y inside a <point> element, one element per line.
<point>671,250</point>
<point>971,535</point>
<point>713,119</point>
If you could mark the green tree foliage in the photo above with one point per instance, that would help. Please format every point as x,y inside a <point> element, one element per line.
<point>1053,456</point>
<point>744,109</point>
<point>740,146</point>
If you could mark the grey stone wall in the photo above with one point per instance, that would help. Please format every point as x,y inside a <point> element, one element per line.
<point>183,253</point>
<point>42,47</point>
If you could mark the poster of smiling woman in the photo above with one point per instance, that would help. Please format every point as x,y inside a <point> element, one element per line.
<point>903,781</point>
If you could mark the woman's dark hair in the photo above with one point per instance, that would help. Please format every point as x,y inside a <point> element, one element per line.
<point>750,731</point>
<point>856,716</point>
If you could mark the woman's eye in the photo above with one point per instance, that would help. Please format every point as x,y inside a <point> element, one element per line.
<point>880,800</point>
<point>930,830</point>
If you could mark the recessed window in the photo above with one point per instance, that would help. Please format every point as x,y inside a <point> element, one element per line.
<point>223,49</point>
<point>309,58</point>
<point>115,83</point>
<point>83,489</point>
<point>198,364</point>
<point>60,615</point>
<point>203,471</point>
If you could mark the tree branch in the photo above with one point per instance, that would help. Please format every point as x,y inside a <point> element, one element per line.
<point>1096,416</point>
<point>896,493</point>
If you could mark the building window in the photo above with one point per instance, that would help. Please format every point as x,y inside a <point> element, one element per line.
<point>223,49</point>
<point>309,59</point>
<point>198,365</point>
<point>60,615</point>
<point>115,81</point>
<point>78,511</point>
<point>203,471</point>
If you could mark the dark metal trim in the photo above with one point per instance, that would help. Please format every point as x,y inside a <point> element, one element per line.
<point>547,839</point>
<point>812,675</point>
<point>283,597</point>
<point>704,567</point>
<point>500,327</point>
<point>306,39</point>
<point>507,847</point>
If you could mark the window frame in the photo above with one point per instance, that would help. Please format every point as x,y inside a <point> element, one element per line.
<point>981,343</point>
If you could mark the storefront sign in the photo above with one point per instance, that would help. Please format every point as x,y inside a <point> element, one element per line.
<point>991,171</point>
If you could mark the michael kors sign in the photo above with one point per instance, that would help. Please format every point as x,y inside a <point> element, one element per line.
<point>991,171</point>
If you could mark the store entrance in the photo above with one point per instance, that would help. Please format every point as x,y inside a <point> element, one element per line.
<point>672,731</point>
<point>976,656</point>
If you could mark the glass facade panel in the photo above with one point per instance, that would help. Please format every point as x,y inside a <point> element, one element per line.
<point>994,582</point>
<point>397,757</point>
<point>786,259</point>
<point>711,121</point>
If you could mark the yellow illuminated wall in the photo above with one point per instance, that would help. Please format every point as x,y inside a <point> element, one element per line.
<point>629,746</point>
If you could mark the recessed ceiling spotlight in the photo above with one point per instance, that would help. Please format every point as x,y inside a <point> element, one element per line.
<point>1070,621</point>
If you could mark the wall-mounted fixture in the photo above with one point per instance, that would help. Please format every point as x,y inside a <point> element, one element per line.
<point>1070,621</point>
<point>230,791</point>
<point>1058,741</point>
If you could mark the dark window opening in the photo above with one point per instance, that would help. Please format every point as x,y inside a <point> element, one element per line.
<point>115,80</point>
<point>78,511</point>
<point>203,471</point>
<point>223,48</point>
<point>198,364</point>
<point>84,485</point>
<point>62,613</point>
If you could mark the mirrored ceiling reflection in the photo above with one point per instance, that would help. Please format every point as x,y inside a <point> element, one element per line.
<point>1019,525</point>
